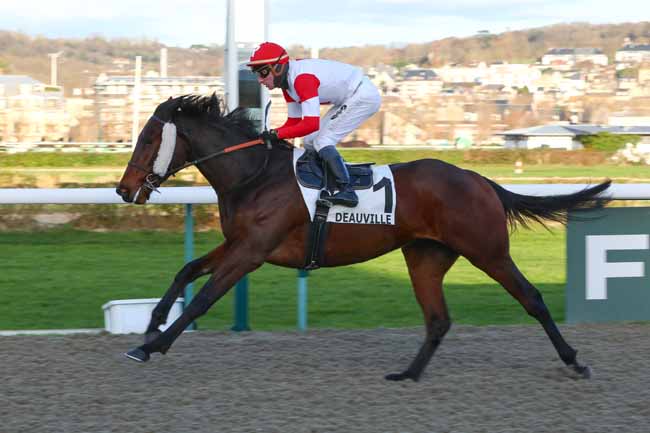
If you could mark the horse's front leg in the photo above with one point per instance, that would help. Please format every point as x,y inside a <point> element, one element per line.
<point>190,272</point>
<point>236,262</point>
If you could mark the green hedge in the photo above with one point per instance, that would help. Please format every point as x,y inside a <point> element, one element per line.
<point>55,159</point>
<point>472,156</point>
<point>605,141</point>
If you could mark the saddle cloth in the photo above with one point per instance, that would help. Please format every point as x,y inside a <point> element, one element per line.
<point>373,184</point>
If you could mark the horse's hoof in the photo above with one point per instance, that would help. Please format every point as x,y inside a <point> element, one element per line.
<point>583,371</point>
<point>400,376</point>
<point>577,371</point>
<point>151,336</point>
<point>137,354</point>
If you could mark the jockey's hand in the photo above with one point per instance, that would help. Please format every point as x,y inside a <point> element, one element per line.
<point>270,137</point>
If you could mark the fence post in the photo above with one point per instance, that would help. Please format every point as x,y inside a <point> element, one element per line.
<point>189,255</point>
<point>302,299</point>
<point>241,305</point>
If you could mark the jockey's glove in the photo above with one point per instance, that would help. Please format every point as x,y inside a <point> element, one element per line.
<point>270,137</point>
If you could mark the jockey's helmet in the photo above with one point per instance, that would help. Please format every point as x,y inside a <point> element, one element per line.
<point>267,53</point>
<point>269,62</point>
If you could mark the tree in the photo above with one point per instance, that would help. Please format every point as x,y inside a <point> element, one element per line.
<point>606,141</point>
<point>627,73</point>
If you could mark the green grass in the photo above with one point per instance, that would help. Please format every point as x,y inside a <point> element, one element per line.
<point>501,173</point>
<point>60,279</point>
<point>490,163</point>
<point>595,173</point>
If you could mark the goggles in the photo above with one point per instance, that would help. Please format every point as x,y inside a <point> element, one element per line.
<point>264,71</point>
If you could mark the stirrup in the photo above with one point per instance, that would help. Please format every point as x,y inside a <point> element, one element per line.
<point>347,198</point>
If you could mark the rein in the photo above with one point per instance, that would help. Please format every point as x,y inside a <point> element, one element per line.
<point>152,180</point>
<point>218,153</point>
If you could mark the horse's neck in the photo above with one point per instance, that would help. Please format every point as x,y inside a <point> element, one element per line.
<point>277,176</point>
<point>243,169</point>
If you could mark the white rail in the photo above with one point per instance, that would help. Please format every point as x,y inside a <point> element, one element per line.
<point>168,195</point>
<point>206,195</point>
<point>64,146</point>
<point>623,191</point>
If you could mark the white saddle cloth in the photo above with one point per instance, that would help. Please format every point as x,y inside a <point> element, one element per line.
<point>376,204</point>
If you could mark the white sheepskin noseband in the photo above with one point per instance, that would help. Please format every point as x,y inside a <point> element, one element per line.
<point>166,151</point>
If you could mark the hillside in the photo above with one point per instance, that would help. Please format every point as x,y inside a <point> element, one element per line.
<point>83,59</point>
<point>525,46</point>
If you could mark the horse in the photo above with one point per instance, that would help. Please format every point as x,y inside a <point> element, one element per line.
<point>442,212</point>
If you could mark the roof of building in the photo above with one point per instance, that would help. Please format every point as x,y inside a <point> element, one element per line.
<point>577,129</point>
<point>12,83</point>
<point>635,47</point>
<point>420,74</point>
<point>574,51</point>
<point>130,80</point>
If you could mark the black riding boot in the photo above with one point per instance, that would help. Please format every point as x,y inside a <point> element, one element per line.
<point>345,195</point>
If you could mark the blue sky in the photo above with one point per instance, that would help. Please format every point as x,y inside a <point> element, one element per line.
<point>323,23</point>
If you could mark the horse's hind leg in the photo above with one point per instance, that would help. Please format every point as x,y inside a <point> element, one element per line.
<point>190,272</point>
<point>507,273</point>
<point>428,262</point>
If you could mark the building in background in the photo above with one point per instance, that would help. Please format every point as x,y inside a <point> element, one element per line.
<point>569,57</point>
<point>32,111</point>
<point>633,54</point>
<point>114,99</point>
<point>565,136</point>
<point>417,84</point>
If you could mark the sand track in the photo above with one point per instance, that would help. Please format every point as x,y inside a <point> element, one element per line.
<point>483,379</point>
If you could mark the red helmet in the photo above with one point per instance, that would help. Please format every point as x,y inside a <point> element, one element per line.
<point>267,53</point>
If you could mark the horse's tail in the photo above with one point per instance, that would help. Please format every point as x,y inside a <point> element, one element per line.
<point>522,208</point>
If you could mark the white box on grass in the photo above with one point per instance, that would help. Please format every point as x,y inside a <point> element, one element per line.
<point>127,316</point>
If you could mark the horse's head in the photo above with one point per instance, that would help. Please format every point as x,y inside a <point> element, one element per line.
<point>161,147</point>
<point>164,146</point>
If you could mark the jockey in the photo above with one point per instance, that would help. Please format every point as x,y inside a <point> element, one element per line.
<point>306,84</point>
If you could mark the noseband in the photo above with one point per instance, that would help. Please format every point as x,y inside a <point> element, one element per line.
<point>152,181</point>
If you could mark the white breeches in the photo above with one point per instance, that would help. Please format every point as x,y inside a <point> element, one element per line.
<point>342,119</point>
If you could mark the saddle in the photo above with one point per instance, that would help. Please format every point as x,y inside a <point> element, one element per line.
<point>312,174</point>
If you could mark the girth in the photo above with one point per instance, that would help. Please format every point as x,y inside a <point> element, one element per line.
<point>317,235</point>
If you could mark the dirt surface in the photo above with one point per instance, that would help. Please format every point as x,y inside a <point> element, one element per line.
<point>483,379</point>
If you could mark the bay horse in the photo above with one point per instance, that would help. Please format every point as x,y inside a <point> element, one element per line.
<point>442,212</point>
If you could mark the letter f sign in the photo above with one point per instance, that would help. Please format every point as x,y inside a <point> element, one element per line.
<point>599,269</point>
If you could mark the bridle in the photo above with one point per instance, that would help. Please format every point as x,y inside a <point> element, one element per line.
<point>152,181</point>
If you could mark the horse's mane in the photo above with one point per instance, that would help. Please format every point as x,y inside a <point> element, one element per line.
<point>212,110</point>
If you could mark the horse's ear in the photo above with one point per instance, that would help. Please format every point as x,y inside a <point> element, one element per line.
<point>170,98</point>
